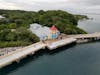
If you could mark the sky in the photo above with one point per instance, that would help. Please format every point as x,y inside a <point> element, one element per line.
<point>68,5</point>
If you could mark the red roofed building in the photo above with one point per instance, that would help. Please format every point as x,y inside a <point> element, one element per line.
<point>53,28</point>
<point>54,33</point>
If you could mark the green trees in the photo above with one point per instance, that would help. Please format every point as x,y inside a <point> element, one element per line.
<point>14,27</point>
<point>24,34</point>
<point>8,26</point>
<point>11,36</point>
<point>64,21</point>
<point>73,30</point>
<point>60,26</point>
<point>49,18</point>
<point>19,37</point>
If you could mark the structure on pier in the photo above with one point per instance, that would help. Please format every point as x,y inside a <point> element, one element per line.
<point>54,32</point>
<point>44,32</point>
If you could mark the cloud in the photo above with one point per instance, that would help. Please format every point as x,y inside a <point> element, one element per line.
<point>4,5</point>
<point>34,5</point>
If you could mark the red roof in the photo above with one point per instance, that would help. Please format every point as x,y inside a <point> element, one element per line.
<point>53,28</point>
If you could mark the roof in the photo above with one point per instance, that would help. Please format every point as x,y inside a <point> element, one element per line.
<point>53,28</point>
<point>39,30</point>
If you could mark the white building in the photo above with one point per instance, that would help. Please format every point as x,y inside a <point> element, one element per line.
<point>42,32</point>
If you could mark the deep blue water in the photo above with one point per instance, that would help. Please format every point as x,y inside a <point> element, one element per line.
<point>81,59</point>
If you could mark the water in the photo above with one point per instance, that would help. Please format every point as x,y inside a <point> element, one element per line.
<point>91,25</point>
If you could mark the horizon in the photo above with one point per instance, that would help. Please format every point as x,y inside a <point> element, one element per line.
<point>75,6</point>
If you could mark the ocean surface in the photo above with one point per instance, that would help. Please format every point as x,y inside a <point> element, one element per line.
<point>80,59</point>
<point>92,25</point>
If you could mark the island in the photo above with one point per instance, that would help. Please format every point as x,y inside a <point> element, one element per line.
<point>15,24</point>
<point>23,33</point>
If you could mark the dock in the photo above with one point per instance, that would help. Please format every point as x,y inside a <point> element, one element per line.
<point>60,43</point>
<point>20,54</point>
<point>84,38</point>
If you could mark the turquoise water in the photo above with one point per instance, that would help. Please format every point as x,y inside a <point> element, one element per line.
<point>81,59</point>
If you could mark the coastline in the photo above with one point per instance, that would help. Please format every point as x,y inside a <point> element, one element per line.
<point>8,50</point>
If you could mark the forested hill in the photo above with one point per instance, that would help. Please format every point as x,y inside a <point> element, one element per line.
<point>13,28</point>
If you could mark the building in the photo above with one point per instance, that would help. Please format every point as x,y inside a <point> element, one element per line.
<point>54,32</point>
<point>44,32</point>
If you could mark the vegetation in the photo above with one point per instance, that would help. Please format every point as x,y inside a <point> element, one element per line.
<point>81,17</point>
<point>14,27</point>
<point>17,37</point>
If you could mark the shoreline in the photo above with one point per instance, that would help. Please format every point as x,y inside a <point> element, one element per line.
<point>8,50</point>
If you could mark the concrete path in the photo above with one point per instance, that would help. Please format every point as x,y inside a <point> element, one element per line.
<point>21,53</point>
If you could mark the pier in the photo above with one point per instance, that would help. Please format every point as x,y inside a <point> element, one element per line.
<point>81,38</point>
<point>19,54</point>
<point>60,43</point>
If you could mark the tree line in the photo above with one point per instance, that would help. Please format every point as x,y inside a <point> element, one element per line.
<point>14,28</point>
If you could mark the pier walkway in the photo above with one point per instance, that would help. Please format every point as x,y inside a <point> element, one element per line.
<point>86,36</point>
<point>60,43</point>
<point>21,53</point>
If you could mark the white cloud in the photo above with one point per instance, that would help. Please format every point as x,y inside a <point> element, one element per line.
<point>70,5</point>
<point>4,5</point>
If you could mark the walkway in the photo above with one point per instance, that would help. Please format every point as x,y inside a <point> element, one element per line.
<point>93,35</point>
<point>60,43</point>
<point>21,53</point>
